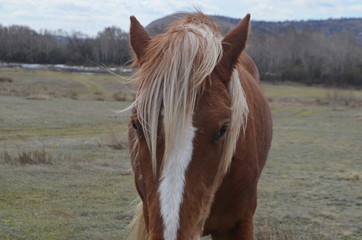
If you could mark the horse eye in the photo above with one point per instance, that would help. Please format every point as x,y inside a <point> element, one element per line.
<point>136,128</point>
<point>221,132</point>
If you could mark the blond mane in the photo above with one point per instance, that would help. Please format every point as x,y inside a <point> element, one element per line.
<point>173,72</point>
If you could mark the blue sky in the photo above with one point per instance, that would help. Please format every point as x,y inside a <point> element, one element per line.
<point>91,16</point>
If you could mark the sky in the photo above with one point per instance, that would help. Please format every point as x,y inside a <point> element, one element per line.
<point>92,16</point>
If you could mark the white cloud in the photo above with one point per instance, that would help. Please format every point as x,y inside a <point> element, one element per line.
<point>91,16</point>
<point>355,8</point>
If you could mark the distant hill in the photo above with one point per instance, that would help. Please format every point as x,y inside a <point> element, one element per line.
<point>328,26</point>
<point>160,25</point>
<point>324,52</point>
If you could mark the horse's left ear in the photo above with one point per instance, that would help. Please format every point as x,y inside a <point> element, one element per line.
<point>139,38</point>
<point>233,44</point>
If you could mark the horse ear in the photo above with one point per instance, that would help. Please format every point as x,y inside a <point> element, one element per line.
<point>139,38</point>
<point>233,44</point>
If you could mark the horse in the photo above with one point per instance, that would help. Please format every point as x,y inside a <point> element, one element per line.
<point>199,132</point>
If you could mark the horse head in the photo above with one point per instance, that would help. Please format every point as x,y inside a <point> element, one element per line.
<point>188,115</point>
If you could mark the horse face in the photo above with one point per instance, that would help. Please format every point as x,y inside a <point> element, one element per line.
<point>178,185</point>
<point>211,121</point>
<point>182,192</point>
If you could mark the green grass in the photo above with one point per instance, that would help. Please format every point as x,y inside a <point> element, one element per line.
<point>304,92</point>
<point>61,84</point>
<point>80,185</point>
<point>314,171</point>
<point>85,192</point>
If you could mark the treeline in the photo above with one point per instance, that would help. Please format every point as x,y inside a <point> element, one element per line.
<point>24,45</point>
<point>307,56</point>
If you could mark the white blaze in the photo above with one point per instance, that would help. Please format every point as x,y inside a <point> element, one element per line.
<point>173,181</point>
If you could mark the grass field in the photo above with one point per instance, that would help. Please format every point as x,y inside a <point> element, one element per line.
<point>65,173</point>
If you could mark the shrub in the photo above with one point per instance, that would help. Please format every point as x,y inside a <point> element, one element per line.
<point>114,141</point>
<point>32,157</point>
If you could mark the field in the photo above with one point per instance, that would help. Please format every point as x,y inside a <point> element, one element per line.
<point>65,173</point>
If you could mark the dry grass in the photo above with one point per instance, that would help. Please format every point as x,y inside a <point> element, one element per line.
<point>72,94</point>
<point>337,97</point>
<point>114,140</point>
<point>124,96</point>
<point>99,96</point>
<point>38,97</point>
<point>28,157</point>
<point>302,95</point>
<point>6,79</point>
<point>26,83</point>
<point>271,229</point>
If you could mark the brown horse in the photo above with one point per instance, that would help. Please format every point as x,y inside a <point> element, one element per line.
<point>200,131</point>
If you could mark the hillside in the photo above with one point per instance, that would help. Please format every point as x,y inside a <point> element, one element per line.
<point>328,26</point>
<point>323,52</point>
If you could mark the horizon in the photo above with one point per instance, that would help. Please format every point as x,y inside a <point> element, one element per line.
<point>65,33</point>
<point>92,16</point>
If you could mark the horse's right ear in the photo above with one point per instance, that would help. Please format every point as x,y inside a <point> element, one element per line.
<point>139,38</point>
<point>233,44</point>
